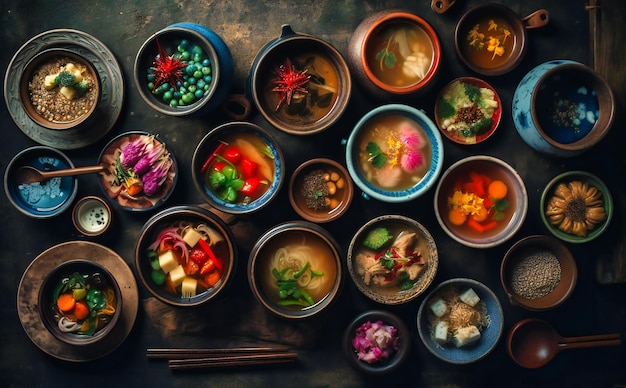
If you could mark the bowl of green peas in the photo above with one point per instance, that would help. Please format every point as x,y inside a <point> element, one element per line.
<point>184,69</point>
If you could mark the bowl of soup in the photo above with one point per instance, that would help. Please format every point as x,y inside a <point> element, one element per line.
<point>185,256</point>
<point>300,83</point>
<point>185,69</point>
<point>491,39</point>
<point>576,206</point>
<point>468,110</point>
<point>481,201</point>
<point>80,302</point>
<point>460,321</point>
<point>376,342</point>
<point>394,153</point>
<point>563,108</point>
<point>238,167</point>
<point>394,54</point>
<point>45,199</point>
<point>320,190</point>
<point>295,271</point>
<point>392,259</point>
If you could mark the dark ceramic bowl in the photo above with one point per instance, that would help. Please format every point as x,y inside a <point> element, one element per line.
<point>290,261</point>
<point>320,190</point>
<point>473,352</point>
<point>360,260</point>
<point>97,280</point>
<point>400,349</point>
<point>116,190</point>
<point>472,176</point>
<point>538,273</point>
<point>454,103</point>
<point>204,91</point>
<point>265,151</point>
<point>491,39</point>
<point>551,216</point>
<point>326,93</point>
<point>177,223</point>
<point>41,200</point>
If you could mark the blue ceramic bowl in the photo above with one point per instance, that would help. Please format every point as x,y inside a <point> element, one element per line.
<point>489,336</point>
<point>562,108</point>
<point>210,143</point>
<point>169,38</point>
<point>432,151</point>
<point>46,199</point>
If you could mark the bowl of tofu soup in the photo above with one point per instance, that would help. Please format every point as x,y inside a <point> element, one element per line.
<point>394,153</point>
<point>460,321</point>
<point>392,259</point>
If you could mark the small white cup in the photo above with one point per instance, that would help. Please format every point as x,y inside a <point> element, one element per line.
<point>91,216</point>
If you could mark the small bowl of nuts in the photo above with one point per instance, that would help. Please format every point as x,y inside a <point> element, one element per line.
<point>538,273</point>
<point>320,190</point>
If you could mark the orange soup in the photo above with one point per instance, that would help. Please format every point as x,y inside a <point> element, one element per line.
<point>489,43</point>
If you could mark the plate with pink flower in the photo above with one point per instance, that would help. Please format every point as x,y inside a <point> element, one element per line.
<point>140,173</point>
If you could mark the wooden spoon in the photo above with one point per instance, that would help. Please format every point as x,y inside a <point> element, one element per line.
<point>29,174</point>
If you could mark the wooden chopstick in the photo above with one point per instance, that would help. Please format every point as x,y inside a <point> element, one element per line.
<point>181,353</point>
<point>199,364</point>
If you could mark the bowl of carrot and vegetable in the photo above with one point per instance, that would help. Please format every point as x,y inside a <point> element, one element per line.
<point>481,201</point>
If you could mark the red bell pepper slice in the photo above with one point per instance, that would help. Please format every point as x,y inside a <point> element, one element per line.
<point>232,154</point>
<point>249,167</point>
<point>250,186</point>
<point>211,157</point>
<point>205,247</point>
<point>207,267</point>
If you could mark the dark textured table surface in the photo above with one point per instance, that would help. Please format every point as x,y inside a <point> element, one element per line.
<point>237,319</point>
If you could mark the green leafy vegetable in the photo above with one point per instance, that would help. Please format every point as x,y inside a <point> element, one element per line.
<point>473,92</point>
<point>446,109</point>
<point>377,237</point>
<point>376,155</point>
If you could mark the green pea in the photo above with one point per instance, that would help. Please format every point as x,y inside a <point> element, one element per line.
<point>150,77</point>
<point>201,83</point>
<point>190,69</point>
<point>158,277</point>
<point>185,55</point>
<point>192,81</point>
<point>206,70</point>
<point>150,85</point>
<point>197,50</point>
<point>174,103</point>
<point>192,89</point>
<point>167,96</point>
<point>199,93</point>
<point>197,74</point>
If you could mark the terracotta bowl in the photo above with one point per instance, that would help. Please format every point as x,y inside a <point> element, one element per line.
<point>398,72</point>
<point>206,76</point>
<point>551,215</point>
<point>87,285</point>
<point>320,190</point>
<point>481,201</point>
<point>91,216</point>
<point>252,142</point>
<point>491,39</point>
<point>215,257</point>
<point>489,334</point>
<point>41,200</point>
<point>315,104</point>
<point>375,321</point>
<point>538,273</point>
<point>382,235</point>
<point>468,97</point>
<point>295,270</point>
<point>84,95</point>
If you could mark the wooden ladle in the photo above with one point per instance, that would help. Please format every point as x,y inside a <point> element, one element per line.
<point>29,174</point>
<point>532,343</point>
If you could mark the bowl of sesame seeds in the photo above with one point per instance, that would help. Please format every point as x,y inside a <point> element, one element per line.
<point>538,273</point>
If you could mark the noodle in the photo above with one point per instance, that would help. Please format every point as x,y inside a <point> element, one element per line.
<point>294,257</point>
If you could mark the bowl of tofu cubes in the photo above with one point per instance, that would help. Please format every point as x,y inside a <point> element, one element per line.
<point>460,321</point>
<point>185,256</point>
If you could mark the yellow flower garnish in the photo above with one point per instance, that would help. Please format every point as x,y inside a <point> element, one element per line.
<point>493,44</point>
<point>469,203</point>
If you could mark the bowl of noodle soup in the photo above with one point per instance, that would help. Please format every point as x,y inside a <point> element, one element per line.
<point>294,270</point>
<point>451,303</point>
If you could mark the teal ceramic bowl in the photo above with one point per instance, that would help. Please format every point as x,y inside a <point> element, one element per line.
<point>551,216</point>
<point>394,180</point>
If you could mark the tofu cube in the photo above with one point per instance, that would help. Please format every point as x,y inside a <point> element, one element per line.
<point>441,332</point>
<point>168,261</point>
<point>191,237</point>
<point>177,275</point>
<point>439,307</point>
<point>466,335</point>
<point>189,286</point>
<point>470,297</point>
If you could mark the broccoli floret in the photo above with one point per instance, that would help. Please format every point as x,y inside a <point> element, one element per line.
<point>65,78</point>
<point>481,126</point>
<point>473,93</point>
<point>81,88</point>
<point>376,238</point>
<point>446,109</point>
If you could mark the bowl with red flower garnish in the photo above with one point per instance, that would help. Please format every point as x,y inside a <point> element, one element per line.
<point>238,167</point>
<point>140,172</point>
<point>185,256</point>
<point>184,69</point>
<point>301,84</point>
<point>376,342</point>
<point>481,201</point>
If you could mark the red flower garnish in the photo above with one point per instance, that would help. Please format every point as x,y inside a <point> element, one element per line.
<point>289,81</point>
<point>167,69</point>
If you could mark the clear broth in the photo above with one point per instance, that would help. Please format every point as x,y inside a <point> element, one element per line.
<point>483,42</point>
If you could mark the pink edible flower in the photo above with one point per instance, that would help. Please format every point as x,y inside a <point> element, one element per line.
<point>133,151</point>
<point>410,137</point>
<point>156,175</point>
<point>150,155</point>
<point>412,160</point>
